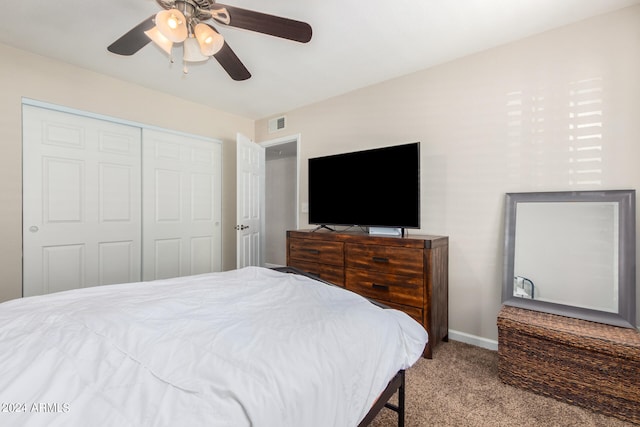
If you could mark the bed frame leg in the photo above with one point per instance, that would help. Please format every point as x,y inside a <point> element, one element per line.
<point>399,408</point>
<point>396,384</point>
<point>401,401</point>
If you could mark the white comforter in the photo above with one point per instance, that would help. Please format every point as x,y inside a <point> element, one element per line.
<point>246,347</point>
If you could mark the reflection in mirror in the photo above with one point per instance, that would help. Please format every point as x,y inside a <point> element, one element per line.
<point>584,253</point>
<point>572,253</point>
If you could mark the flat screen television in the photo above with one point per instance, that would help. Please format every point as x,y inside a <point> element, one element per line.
<point>372,188</point>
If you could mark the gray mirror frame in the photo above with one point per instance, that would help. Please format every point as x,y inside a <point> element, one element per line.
<point>626,199</point>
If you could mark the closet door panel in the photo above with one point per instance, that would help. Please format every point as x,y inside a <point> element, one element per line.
<point>168,256</point>
<point>124,254</point>
<point>62,196</point>
<point>115,191</point>
<point>201,255</point>
<point>63,268</point>
<point>181,205</point>
<point>81,199</point>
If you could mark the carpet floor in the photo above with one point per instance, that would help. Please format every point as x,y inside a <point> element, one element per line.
<point>460,387</point>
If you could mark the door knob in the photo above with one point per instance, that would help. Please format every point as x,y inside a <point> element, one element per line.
<point>34,229</point>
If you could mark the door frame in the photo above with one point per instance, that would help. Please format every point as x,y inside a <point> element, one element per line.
<point>295,138</point>
<point>286,140</point>
<point>63,109</point>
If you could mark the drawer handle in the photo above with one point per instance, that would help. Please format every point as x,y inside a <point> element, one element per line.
<point>312,251</point>
<point>380,287</point>
<point>380,259</point>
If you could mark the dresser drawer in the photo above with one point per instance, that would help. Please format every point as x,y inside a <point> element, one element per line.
<point>414,312</point>
<point>317,251</point>
<point>406,290</point>
<point>385,259</point>
<point>330,273</point>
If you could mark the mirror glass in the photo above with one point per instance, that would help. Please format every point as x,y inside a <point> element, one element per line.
<point>572,253</point>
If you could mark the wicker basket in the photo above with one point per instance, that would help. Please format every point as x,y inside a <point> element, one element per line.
<point>588,364</point>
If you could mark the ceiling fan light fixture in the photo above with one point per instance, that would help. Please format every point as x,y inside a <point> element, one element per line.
<point>172,24</point>
<point>179,18</point>
<point>221,15</point>
<point>192,51</point>
<point>209,40</point>
<point>159,39</point>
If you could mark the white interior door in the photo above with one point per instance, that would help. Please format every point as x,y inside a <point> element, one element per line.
<point>181,205</point>
<point>81,202</point>
<point>250,202</point>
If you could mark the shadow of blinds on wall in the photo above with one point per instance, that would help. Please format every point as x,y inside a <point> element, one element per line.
<point>555,135</point>
<point>585,132</point>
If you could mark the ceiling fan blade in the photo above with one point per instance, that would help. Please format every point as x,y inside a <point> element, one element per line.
<point>230,62</point>
<point>134,40</point>
<point>267,24</point>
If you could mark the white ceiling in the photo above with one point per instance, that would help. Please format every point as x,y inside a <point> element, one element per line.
<point>355,43</point>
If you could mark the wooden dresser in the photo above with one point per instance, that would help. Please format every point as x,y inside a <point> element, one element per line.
<point>406,273</point>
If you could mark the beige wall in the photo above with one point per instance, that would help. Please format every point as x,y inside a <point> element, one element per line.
<point>509,119</point>
<point>25,75</point>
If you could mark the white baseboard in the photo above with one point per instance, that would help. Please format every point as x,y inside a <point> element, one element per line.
<point>473,340</point>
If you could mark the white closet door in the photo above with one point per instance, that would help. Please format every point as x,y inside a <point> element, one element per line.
<point>181,205</point>
<point>81,201</point>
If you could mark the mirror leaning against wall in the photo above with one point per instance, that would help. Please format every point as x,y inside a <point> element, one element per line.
<point>572,254</point>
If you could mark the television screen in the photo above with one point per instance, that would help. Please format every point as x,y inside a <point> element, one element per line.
<point>372,188</point>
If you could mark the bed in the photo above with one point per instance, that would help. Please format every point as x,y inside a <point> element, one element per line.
<point>252,346</point>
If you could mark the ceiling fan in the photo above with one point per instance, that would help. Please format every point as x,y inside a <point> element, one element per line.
<point>184,21</point>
